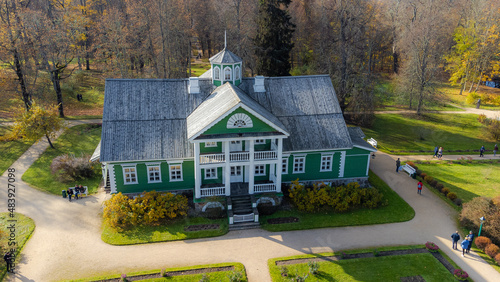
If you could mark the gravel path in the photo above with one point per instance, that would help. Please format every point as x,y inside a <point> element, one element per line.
<point>66,243</point>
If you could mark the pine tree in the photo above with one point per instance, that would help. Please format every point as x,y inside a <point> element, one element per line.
<point>274,38</point>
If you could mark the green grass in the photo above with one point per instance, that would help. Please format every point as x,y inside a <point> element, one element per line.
<point>467,180</point>
<point>199,69</point>
<point>11,150</point>
<point>172,232</point>
<point>453,95</point>
<point>386,268</point>
<point>213,276</point>
<point>400,133</point>
<point>397,211</point>
<point>24,228</point>
<point>77,140</point>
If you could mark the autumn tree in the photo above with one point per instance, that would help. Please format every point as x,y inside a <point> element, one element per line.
<point>274,38</point>
<point>37,123</point>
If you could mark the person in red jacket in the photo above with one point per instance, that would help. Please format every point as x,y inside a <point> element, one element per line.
<point>419,187</point>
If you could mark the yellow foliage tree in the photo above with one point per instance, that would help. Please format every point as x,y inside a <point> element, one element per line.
<point>37,122</point>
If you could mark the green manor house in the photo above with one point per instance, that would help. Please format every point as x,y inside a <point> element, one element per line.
<point>224,135</point>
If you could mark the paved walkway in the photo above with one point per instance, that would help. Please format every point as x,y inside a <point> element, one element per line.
<point>66,243</point>
<point>488,113</point>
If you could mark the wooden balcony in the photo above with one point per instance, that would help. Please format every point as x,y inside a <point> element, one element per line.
<point>237,157</point>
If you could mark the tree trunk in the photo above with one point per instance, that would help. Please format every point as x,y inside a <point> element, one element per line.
<point>56,82</point>
<point>22,82</point>
<point>50,143</point>
<point>395,65</point>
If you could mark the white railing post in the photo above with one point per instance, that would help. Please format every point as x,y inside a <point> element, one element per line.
<point>252,168</point>
<point>279,169</point>
<point>227,174</point>
<point>197,171</point>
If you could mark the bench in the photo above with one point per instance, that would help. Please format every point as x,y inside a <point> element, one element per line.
<point>372,142</point>
<point>81,194</point>
<point>408,169</point>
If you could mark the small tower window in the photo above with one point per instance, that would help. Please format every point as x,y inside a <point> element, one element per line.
<point>216,73</point>
<point>227,73</point>
<point>237,73</point>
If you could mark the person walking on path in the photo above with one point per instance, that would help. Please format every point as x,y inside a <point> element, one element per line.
<point>495,150</point>
<point>436,149</point>
<point>440,152</point>
<point>481,151</point>
<point>465,246</point>
<point>455,237</point>
<point>419,187</point>
<point>8,261</point>
<point>398,164</point>
<point>470,237</point>
<point>70,193</point>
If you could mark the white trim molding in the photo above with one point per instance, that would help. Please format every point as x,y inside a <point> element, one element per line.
<point>132,177</point>
<point>297,160</point>
<point>158,172</point>
<point>177,168</point>
<point>342,163</point>
<point>112,178</point>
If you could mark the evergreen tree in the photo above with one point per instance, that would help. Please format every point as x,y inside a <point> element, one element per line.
<point>274,38</point>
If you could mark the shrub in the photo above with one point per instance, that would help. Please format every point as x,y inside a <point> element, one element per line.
<point>472,98</point>
<point>434,183</point>
<point>452,196</point>
<point>214,213</point>
<point>445,191</point>
<point>428,179</point>
<point>419,172</point>
<point>431,247</point>
<point>439,187</point>
<point>481,118</point>
<point>482,242</point>
<point>123,278</point>
<point>313,267</point>
<point>458,201</point>
<point>68,168</point>
<point>235,276</point>
<point>493,130</point>
<point>412,165</point>
<point>376,253</point>
<point>497,259</point>
<point>492,250</point>
<point>266,208</point>
<point>460,274</point>
<point>423,175</point>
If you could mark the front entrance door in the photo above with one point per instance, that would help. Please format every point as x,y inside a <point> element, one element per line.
<point>237,173</point>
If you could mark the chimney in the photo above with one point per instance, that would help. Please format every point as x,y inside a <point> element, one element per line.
<point>194,86</point>
<point>259,84</point>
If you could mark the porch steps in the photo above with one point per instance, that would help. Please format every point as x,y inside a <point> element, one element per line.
<point>242,204</point>
<point>244,225</point>
<point>107,186</point>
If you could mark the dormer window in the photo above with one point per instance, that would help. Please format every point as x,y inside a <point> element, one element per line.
<point>227,73</point>
<point>239,120</point>
<point>216,73</point>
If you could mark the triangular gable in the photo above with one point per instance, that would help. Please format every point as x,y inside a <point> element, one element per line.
<point>225,100</point>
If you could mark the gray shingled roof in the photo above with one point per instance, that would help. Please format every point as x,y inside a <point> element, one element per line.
<point>223,99</point>
<point>225,56</point>
<point>357,136</point>
<point>146,119</point>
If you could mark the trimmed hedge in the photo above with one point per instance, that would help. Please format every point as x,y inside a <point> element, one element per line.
<point>492,250</point>
<point>482,242</point>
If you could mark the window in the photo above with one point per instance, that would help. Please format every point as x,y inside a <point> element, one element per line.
<point>236,142</point>
<point>210,144</point>
<point>235,170</point>
<point>227,73</point>
<point>260,141</point>
<point>129,175</point>
<point>211,173</point>
<point>284,166</point>
<point>237,73</point>
<point>299,164</point>
<point>326,163</point>
<point>260,170</point>
<point>216,73</point>
<point>239,120</point>
<point>154,173</point>
<point>176,172</point>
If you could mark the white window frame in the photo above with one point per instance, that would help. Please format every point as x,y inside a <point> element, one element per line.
<point>297,160</point>
<point>148,166</point>
<point>326,163</point>
<point>234,170</point>
<point>284,165</point>
<point>210,144</point>
<point>211,173</point>
<point>230,74</point>
<point>128,179</point>
<point>260,170</point>
<point>174,170</point>
<point>237,75</point>
<point>216,73</point>
<point>260,141</point>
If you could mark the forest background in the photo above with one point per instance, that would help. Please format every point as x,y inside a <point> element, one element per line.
<point>45,44</point>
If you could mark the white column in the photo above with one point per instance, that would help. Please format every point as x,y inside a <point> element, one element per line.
<point>251,173</point>
<point>112,179</point>
<point>368,164</point>
<point>227,176</point>
<point>197,171</point>
<point>278,165</point>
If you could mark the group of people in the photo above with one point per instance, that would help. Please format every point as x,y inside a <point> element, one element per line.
<point>75,191</point>
<point>466,243</point>
<point>438,152</point>
<point>483,149</point>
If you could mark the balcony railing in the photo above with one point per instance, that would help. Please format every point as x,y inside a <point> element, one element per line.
<point>237,157</point>
<point>267,187</point>
<point>213,191</point>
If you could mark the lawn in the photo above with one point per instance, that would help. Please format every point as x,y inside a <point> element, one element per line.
<point>199,69</point>
<point>170,232</point>
<point>212,276</point>
<point>77,140</point>
<point>24,228</point>
<point>467,180</point>
<point>397,211</point>
<point>453,95</point>
<point>402,133</point>
<point>10,150</point>
<point>386,268</point>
